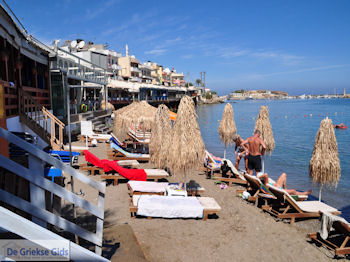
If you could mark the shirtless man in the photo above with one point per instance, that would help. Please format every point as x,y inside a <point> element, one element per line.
<point>254,157</point>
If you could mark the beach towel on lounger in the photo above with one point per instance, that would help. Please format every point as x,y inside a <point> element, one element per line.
<point>148,186</point>
<point>169,206</point>
<point>108,166</point>
<point>131,174</point>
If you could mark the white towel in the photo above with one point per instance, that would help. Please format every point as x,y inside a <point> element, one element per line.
<point>327,221</point>
<point>148,186</point>
<point>169,206</point>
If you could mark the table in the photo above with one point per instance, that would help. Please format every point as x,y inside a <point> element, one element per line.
<point>175,191</point>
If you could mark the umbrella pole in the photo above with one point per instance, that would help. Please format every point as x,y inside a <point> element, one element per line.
<point>263,164</point>
<point>225,152</point>
<point>320,193</point>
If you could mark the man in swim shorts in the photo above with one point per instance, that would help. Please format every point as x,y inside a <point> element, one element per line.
<point>256,148</point>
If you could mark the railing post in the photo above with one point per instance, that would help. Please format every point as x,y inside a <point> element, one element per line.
<point>37,194</point>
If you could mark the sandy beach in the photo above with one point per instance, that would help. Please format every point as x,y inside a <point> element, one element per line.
<point>240,232</point>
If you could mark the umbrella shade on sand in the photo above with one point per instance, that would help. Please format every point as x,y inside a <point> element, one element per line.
<point>137,114</point>
<point>186,151</point>
<point>227,128</point>
<point>160,137</point>
<point>324,167</point>
<point>263,124</point>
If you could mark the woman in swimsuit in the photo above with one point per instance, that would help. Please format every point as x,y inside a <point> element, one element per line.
<point>240,151</point>
<point>281,183</point>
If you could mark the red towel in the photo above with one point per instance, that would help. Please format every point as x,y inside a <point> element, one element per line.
<point>131,174</point>
<point>107,165</point>
<point>92,159</point>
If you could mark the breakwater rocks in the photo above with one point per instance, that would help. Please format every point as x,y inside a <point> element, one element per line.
<point>214,100</point>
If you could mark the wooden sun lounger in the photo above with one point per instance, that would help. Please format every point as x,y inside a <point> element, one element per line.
<point>338,238</point>
<point>236,177</point>
<point>116,155</point>
<point>287,208</point>
<point>210,206</point>
<point>90,138</point>
<point>190,192</point>
<point>122,163</point>
<point>152,174</point>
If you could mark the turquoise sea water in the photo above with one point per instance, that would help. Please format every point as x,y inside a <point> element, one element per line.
<point>294,124</point>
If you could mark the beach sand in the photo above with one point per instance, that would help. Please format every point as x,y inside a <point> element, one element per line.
<point>240,232</point>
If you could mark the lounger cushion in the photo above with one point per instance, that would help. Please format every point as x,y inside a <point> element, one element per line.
<point>315,206</point>
<point>156,172</point>
<point>148,186</point>
<point>209,203</point>
<point>169,206</point>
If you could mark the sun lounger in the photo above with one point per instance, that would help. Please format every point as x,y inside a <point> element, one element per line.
<point>64,156</point>
<point>173,206</point>
<point>124,145</point>
<point>236,178</point>
<point>141,140</point>
<point>79,149</point>
<point>150,174</point>
<point>288,208</point>
<point>211,164</point>
<point>139,134</point>
<point>155,188</point>
<point>337,239</point>
<point>98,137</point>
<point>118,153</point>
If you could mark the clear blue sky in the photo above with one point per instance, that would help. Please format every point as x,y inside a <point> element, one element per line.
<point>298,46</point>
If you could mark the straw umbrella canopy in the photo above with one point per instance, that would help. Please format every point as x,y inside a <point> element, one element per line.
<point>227,128</point>
<point>135,114</point>
<point>324,167</point>
<point>263,124</point>
<point>186,151</point>
<point>160,137</point>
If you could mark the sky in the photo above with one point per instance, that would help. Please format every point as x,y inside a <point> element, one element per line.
<point>297,46</point>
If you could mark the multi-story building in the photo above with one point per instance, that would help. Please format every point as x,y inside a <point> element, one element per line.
<point>146,73</point>
<point>97,54</point>
<point>177,79</point>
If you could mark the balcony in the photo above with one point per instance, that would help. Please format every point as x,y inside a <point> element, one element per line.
<point>135,69</point>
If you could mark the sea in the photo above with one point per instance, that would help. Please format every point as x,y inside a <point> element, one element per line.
<point>295,123</point>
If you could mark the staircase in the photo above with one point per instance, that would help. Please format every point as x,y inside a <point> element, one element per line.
<point>40,120</point>
<point>98,118</point>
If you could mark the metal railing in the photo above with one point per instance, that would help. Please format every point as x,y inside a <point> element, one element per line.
<point>79,68</point>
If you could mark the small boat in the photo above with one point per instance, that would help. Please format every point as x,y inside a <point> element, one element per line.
<point>340,126</point>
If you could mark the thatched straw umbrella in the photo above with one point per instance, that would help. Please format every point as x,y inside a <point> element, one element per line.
<point>227,128</point>
<point>324,167</point>
<point>263,124</point>
<point>187,150</point>
<point>160,137</point>
<point>135,114</point>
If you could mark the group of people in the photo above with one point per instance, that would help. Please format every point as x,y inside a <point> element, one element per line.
<point>252,149</point>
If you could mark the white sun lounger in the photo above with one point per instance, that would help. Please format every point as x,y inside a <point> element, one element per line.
<point>154,188</point>
<point>288,208</point>
<point>173,206</point>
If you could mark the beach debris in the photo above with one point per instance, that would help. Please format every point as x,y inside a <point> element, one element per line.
<point>186,151</point>
<point>160,137</point>
<point>227,128</point>
<point>264,126</point>
<point>324,167</point>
